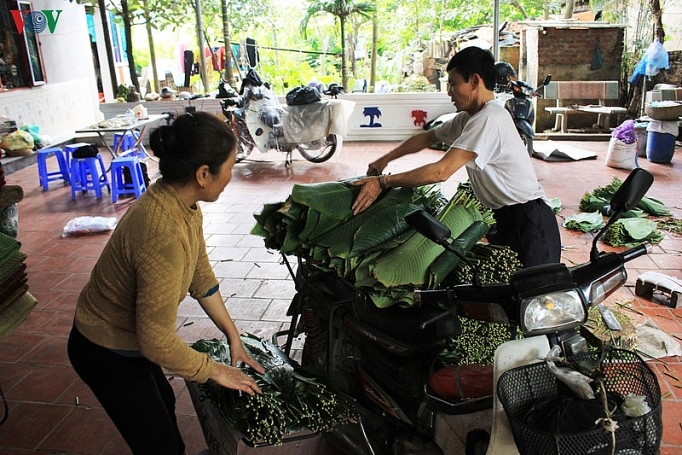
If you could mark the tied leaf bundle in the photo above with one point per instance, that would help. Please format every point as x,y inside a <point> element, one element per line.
<point>290,400</point>
<point>631,232</point>
<point>602,195</point>
<point>375,250</point>
<point>634,226</point>
<point>585,222</point>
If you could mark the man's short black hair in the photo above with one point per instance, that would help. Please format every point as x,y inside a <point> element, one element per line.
<point>472,60</point>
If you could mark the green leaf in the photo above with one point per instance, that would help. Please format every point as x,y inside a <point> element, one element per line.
<point>584,221</point>
<point>385,225</point>
<point>408,263</point>
<point>333,199</point>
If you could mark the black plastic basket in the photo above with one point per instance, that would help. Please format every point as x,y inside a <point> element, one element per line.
<point>625,372</point>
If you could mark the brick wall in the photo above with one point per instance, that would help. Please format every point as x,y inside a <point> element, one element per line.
<point>567,53</point>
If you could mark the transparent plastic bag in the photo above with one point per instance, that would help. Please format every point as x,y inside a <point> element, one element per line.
<point>85,225</point>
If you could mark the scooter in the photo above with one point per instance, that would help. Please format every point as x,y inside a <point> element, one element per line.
<point>260,122</point>
<point>517,98</point>
<point>386,358</point>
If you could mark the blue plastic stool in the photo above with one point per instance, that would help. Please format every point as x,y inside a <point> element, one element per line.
<point>69,149</point>
<point>88,174</point>
<point>129,138</point>
<point>46,176</point>
<point>118,184</point>
<point>128,141</point>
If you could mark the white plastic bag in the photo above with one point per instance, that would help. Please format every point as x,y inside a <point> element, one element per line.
<point>621,155</point>
<point>84,225</point>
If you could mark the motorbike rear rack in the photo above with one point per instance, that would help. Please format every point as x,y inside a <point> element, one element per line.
<point>300,277</point>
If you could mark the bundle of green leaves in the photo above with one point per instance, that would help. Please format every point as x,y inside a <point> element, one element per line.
<point>633,228</point>
<point>375,250</point>
<point>291,400</point>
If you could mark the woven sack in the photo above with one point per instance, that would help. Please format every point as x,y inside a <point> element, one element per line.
<point>621,155</point>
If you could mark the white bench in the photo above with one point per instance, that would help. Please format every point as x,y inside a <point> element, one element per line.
<point>577,91</point>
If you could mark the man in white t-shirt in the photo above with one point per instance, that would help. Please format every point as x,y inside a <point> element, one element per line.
<point>484,139</point>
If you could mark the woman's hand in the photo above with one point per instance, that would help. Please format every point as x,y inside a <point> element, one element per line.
<point>234,378</point>
<point>239,354</point>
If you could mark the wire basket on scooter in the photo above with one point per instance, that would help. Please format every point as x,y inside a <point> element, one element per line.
<point>522,391</point>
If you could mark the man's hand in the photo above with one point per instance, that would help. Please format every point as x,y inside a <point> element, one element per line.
<point>377,167</point>
<point>371,190</point>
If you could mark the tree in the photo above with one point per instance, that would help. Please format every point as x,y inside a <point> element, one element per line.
<point>127,27</point>
<point>341,10</point>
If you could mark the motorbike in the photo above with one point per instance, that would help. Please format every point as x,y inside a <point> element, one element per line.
<point>517,98</point>
<point>260,122</point>
<point>386,358</point>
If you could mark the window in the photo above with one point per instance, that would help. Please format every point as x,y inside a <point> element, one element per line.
<point>21,63</point>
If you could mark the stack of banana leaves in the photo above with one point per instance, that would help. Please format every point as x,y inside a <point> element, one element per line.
<point>634,227</point>
<point>376,250</point>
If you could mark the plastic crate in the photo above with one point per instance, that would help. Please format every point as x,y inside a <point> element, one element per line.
<point>519,388</point>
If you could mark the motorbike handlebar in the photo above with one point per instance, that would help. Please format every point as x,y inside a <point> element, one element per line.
<point>633,253</point>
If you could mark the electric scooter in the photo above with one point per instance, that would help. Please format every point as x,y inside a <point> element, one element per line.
<point>385,358</point>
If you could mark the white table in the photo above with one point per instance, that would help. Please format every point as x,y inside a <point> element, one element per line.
<point>124,128</point>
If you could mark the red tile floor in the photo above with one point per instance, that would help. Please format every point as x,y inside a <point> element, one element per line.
<point>52,412</point>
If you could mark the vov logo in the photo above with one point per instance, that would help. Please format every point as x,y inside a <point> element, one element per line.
<point>36,21</point>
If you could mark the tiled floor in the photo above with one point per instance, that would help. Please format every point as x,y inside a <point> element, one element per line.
<point>52,412</point>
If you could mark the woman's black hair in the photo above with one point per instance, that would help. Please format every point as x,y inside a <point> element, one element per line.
<point>191,141</point>
<point>472,60</point>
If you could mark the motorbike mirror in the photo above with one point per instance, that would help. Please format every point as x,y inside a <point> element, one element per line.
<point>547,80</point>
<point>632,190</point>
<point>626,198</point>
<point>424,223</point>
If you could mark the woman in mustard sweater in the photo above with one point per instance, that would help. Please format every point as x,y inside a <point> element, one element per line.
<point>124,326</point>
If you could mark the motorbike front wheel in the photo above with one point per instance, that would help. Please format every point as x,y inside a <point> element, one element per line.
<point>319,151</point>
<point>528,141</point>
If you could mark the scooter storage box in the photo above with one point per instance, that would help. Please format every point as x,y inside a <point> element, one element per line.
<point>522,389</point>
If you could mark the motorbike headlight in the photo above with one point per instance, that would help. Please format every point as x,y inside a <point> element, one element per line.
<point>552,312</point>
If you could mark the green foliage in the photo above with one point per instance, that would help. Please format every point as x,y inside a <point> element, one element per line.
<point>291,399</point>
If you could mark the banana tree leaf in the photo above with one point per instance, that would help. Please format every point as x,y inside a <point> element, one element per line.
<point>291,244</point>
<point>447,261</point>
<point>408,263</point>
<point>340,239</point>
<point>363,270</point>
<point>311,221</point>
<point>385,225</point>
<point>292,210</point>
<point>333,199</point>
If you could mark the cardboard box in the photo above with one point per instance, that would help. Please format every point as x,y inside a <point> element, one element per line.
<point>223,439</point>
